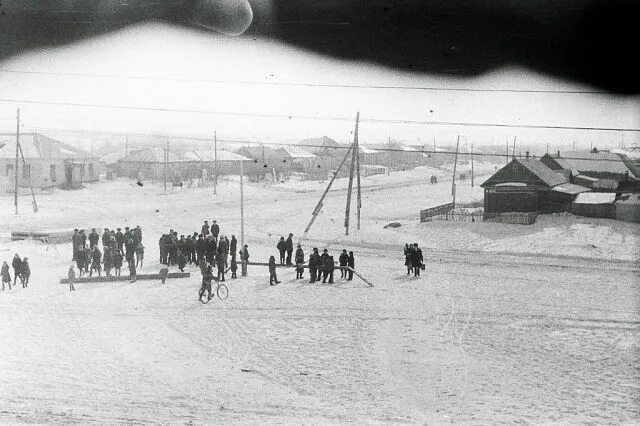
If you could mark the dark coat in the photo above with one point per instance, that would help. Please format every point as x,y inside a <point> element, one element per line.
<point>5,273</point>
<point>282,246</point>
<point>272,266</point>
<point>416,258</point>
<point>25,271</point>
<point>119,238</point>
<point>93,238</point>
<point>96,256</point>
<point>215,230</point>
<point>343,259</point>
<point>299,256</point>
<point>117,260</point>
<point>220,261</point>
<point>324,260</point>
<point>351,261</point>
<point>407,256</point>
<point>201,245</point>
<point>289,243</point>
<point>314,260</point>
<point>233,245</point>
<point>205,230</point>
<point>17,263</point>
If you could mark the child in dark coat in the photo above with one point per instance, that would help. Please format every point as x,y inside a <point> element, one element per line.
<point>273,279</point>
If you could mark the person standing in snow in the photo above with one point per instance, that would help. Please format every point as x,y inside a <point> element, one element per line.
<point>117,262</point>
<point>17,268</point>
<point>93,238</point>
<point>342,260</point>
<point>282,248</point>
<point>132,271</point>
<point>139,255</point>
<point>120,239</point>
<point>233,246</point>
<point>96,257</point>
<point>182,261</point>
<point>244,259</point>
<point>234,267</point>
<point>273,279</point>
<point>299,262</point>
<point>72,278</point>
<point>6,277</point>
<point>351,263</point>
<point>314,263</point>
<point>25,272</point>
<point>220,265</point>
<point>205,229</point>
<point>107,260</point>
<point>407,258</point>
<point>289,243</point>
<point>215,230</point>
<point>416,259</point>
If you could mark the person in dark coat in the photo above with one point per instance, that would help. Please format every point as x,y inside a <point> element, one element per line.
<point>82,238</point>
<point>105,238</point>
<point>75,242</point>
<point>164,272</point>
<point>6,277</point>
<point>201,248</point>
<point>273,278</point>
<point>223,248</point>
<point>182,261</point>
<point>25,272</point>
<point>139,255</point>
<point>407,258</point>
<point>329,267</point>
<point>342,260</point>
<point>133,274</point>
<point>107,260</point>
<point>244,259</point>
<point>211,249</point>
<point>234,267</point>
<point>289,243</point>
<point>351,263</point>
<point>205,229</point>
<point>71,275</point>
<point>96,258</point>
<point>120,239</point>
<point>416,260</point>
<point>220,265</point>
<point>93,238</point>
<point>215,229</point>
<point>282,248</point>
<point>17,268</point>
<point>314,264</point>
<point>117,262</point>
<point>299,262</point>
<point>324,263</point>
<point>87,260</point>
<point>207,277</point>
<point>189,248</point>
<point>80,260</point>
<point>138,231</point>
<point>162,246</point>
<point>233,246</point>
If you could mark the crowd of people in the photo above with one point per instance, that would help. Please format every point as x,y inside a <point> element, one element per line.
<point>21,271</point>
<point>413,259</point>
<point>117,246</point>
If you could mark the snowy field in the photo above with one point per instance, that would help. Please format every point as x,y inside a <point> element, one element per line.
<point>508,324</point>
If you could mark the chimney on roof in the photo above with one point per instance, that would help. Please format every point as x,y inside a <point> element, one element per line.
<point>527,154</point>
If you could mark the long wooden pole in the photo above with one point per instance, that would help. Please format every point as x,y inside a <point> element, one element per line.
<point>318,207</point>
<point>354,153</point>
<point>215,163</point>
<point>453,179</point>
<point>16,166</point>
<point>33,195</point>
<point>359,204</point>
<point>513,153</point>
<point>244,269</point>
<point>472,165</point>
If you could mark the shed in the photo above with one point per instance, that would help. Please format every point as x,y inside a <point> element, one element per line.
<point>628,208</point>
<point>594,204</point>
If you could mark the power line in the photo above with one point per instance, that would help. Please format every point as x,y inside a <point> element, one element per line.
<point>301,145</point>
<point>305,84</point>
<point>320,118</point>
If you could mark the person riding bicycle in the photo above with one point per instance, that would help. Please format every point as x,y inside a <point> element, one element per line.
<point>207,276</point>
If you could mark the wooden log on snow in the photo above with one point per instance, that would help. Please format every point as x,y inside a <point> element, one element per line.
<point>111,278</point>
<point>346,268</point>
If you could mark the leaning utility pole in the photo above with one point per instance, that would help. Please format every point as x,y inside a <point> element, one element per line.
<point>15,171</point>
<point>354,154</point>
<point>513,153</point>
<point>244,266</point>
<point>453,180</point>
<point>215,163</point>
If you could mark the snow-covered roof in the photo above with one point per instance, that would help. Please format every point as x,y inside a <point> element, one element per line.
<point>296,152</point>
<point>598,162</point>
<point>210,155</point>
<point>365,150</point>
<point>149,155</point>
<point>631,199</point>
<point>569,188</point>
<point>595,198</point>
<point>35,145</point>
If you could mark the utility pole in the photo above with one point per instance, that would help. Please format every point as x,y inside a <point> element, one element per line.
<point>453,180</point>
<point>215,163</point>
<point>15,170</point>
<point>472,165</point>
<point>166,164</point>
<point>354,153</point>
<point>513,153</point>
<point>389,157</point>
<point>244,266</point>
<point>507,151</point>
<point>358,180</point>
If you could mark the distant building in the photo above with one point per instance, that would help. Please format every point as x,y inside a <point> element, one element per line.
<point>299,160</point>
<point>600,170</point>
<point>265,163</point>
<point>47,163</point>
<point>228,163</point>
<point>527,185</point>
<point>149,163</point>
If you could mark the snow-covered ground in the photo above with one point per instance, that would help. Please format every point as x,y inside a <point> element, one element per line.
<point>508,324</point>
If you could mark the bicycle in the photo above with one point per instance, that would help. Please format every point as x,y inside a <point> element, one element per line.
<point>221,291</point>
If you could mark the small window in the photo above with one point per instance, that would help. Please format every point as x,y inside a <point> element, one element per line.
<point>9,169</point>
<point>26,171</point>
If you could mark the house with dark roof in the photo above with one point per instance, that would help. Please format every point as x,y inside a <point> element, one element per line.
<point>601,171</point>
<point>527,185</point>
<point>227,163</point>
<point>47,163</point>
<point>150,163</point>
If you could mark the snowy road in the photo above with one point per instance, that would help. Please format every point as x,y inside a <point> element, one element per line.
<point>484,336</point>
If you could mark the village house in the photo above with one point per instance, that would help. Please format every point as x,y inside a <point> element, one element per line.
<point>47,163</point>
<point>150,163</point>
<point>202,163</point>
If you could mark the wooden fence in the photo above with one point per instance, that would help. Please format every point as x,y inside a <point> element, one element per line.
<point>430,214</point>
<point>516,218</point>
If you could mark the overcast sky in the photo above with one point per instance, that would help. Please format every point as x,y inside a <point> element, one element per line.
<point>160,51</point>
